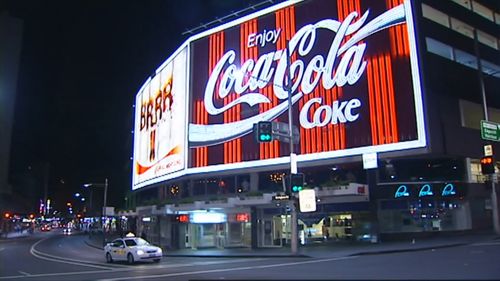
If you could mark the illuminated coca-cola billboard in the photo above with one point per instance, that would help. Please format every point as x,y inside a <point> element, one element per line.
<point>355,83</point>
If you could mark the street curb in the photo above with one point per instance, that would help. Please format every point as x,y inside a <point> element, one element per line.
<point>237,256</point>
<point>367,253</point>
<point>217,256</point>
<point>93,246</point>
<point>381,252</point>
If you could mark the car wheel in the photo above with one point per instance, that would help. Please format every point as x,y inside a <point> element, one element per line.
<point>130,258</point>
<point>156,260</point>
<point>109,259</point>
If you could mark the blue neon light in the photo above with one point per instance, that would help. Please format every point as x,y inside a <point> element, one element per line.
<point>426,190</point>
<point>448,190</point>
<point>402,191</point>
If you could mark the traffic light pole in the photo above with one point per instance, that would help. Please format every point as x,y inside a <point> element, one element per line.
<point>494,201</point>
<point>293,210</point>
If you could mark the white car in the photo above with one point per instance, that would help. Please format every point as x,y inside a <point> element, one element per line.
<point>132,249</point>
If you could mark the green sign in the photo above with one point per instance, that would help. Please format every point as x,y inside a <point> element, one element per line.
<point>490,130</point>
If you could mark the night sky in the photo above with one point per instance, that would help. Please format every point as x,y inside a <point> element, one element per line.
<point>82,63</point>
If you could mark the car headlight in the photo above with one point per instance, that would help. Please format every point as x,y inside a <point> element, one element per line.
<point>159,250</point>
<point>140,252</point>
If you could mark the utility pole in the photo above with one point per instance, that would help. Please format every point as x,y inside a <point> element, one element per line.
<point>494,201</point>
<point>46,170</point>
<point>293,166</point>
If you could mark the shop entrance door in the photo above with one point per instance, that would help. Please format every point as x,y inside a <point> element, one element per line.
<point>201,236</point>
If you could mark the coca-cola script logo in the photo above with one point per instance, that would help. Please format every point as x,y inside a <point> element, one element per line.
<point>343,64</point>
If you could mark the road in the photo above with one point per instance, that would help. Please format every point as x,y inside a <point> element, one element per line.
<point>53,256</point>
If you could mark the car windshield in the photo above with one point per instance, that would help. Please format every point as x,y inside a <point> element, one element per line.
<point>136,242</point>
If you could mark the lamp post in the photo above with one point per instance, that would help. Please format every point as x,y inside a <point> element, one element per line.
<point>105,185</point>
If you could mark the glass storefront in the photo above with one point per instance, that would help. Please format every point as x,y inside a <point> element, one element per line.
<point>423,215</point>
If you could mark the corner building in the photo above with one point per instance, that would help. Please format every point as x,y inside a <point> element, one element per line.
<point>394,81</point>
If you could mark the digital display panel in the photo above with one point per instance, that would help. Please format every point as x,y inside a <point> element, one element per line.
<point>355,85</point>
<point>160,123</point>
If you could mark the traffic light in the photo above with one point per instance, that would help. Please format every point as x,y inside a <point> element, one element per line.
<point>264,131</point>
<point>488,165</point>
<point>296,182</point>
<point>7,215</point>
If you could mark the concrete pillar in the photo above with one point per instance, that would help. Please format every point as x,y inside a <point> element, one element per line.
<point>254,181</point>
<point>190,188</point>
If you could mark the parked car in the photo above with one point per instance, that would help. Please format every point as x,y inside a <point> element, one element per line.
<point>132,249</point>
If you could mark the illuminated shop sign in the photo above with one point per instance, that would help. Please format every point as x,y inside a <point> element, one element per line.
<point>347,63</point>
<point>242,217</point>
<point>448,190</point>
<point>426,190</point>
<point>182,218</point>
<point>402,191</point>
<point>160,118</point>
<point>207,217</point>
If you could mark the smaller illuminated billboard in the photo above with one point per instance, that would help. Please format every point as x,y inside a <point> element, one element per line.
<point>160,118</point>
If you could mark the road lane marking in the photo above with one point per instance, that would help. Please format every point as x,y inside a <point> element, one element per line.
<point>53,258</point>
<point>494,243</point>
<point>118,270</point>
<point>225,269</point>
<point>24,273</point>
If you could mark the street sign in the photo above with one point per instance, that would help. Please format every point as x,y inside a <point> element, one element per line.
<point>490,130</point>
<point>281,132</point>
<point>370,160</point>
<point>281,197</point>
<point>488,150</point>
<point>307,200</point>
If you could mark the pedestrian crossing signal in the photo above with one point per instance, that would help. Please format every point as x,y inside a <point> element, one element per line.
<point>296,182</point>
<point>487,165</point>
<point>264,131</point>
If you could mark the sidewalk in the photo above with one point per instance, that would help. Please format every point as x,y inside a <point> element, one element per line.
<point>15,234</point>
<point>328,250</point>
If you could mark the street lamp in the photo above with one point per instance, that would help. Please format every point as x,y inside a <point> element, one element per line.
<point>105,185</point>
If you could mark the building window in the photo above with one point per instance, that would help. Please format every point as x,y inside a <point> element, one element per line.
<point>482,11</point>
<point>435,15</point>
<point>475,172</point>
<point>487,39</point>
<point>497,18</point>
<point>472,114</point>
<point>465,59</point>
<point>463,3</point>
<point>439,48</point>
<point>490,68</point>
<point>462,28</point>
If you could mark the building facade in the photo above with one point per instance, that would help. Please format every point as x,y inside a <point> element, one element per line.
<point>401,81</point>
<point>10,31</point>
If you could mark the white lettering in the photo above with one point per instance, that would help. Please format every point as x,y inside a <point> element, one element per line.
<point>263,38</point>
<point>338,112</point>
<point>343,63</point>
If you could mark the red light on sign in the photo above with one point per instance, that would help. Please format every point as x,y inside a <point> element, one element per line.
<point>242,217</point>
<point>361,190</point>
<point>183,218</point>
<point>487,160</point>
